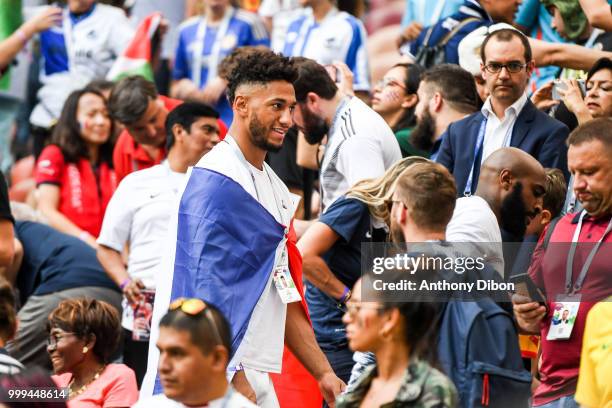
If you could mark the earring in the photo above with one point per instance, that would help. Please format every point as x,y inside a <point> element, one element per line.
<point>85,350</point>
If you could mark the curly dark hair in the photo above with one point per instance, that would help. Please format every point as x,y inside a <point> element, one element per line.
<point>67,132</point>
<point>86,317</point>
<point>259,67</point>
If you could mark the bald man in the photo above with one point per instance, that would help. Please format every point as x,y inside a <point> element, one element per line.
<point>509,194</point>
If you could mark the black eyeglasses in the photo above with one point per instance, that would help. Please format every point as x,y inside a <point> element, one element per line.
<point>512,67</point>
<point>55,338</point>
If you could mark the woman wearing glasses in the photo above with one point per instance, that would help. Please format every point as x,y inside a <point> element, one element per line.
<point>331,251</point>
<point>83,335</point>
<point>400,335</point>
<point>395,98</point>
<point>194,349</point>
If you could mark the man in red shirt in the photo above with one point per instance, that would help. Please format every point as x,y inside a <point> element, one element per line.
<point>135,104</point>
<point>574,277</point>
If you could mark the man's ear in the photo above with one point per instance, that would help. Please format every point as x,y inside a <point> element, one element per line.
<point>506,179</point>
<point>312,101</point>
<point>438,101</point>
<point>545,217</point>
<point>410,101</point>
<point>178,132</point>
<point>241,105</point>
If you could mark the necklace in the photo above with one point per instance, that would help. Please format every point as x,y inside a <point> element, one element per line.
<point>72,393</point>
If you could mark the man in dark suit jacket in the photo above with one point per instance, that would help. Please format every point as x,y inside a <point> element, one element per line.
<point>508,118</point>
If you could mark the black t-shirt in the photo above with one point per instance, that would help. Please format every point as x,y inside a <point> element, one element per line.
<point>54,261</point>
<point>284,162</point>
<point>5,208</point>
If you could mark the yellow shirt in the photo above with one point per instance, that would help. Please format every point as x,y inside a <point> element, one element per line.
<point>594,385</point>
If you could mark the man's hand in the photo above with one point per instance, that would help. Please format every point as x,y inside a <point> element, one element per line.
<point>43,21</point>
<point>132,291</point>
<point>330,386</point>
<point>241,384</point>
<point>410,33</point>
<point>528,314</point>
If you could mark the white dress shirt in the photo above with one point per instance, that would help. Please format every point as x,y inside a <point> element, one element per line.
<point>498,133</point>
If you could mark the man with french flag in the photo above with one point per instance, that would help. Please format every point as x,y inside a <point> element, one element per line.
<point>235,248</point>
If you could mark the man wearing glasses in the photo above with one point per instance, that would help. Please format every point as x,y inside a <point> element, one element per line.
<point>507,118</point>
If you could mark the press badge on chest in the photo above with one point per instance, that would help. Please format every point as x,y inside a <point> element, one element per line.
<point>284,282</point>
<point>565,311</point>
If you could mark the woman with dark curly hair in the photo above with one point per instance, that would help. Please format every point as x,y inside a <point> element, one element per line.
<point>83,334</point>
<point>74,174</point>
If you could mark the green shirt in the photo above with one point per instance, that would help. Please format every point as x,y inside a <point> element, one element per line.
<point>403,138</point>
<point>422,387</point>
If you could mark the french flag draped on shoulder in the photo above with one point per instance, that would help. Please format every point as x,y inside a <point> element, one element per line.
<point>226,248</point>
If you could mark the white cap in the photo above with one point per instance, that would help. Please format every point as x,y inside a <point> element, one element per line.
<point>469,47</point>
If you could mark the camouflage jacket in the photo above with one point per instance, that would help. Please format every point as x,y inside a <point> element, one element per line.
<point>422,387</point>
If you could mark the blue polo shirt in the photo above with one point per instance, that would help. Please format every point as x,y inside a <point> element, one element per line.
<point>54,261</point>
<point>350,219</point>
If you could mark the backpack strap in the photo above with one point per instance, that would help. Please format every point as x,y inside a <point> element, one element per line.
<point>455,30</point>
<point>549,232</point>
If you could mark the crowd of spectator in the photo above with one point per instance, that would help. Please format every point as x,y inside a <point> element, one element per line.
<point>190,192</point>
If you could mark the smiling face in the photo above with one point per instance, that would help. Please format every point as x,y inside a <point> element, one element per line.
<point>93,119</point>
<point>504,86</point>
<point>65,350</point>
<point>268,110</point>
<point>591,166</point>
<point>598,98</point>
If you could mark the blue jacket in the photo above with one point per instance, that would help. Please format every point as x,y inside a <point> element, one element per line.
<point>534,132</point>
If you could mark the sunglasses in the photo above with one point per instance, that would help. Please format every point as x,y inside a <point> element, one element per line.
<point>193,307</point>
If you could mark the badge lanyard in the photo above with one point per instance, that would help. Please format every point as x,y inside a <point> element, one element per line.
<point>479,145</point>
<point>570,257</point>
<point>243,160</point>
<point>68,40</point>
<point>198,50</point>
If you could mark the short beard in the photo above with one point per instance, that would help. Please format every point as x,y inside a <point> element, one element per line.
<point>513,212</point>
<point>258,134</point>
<point>314,128</point>
<point>422,136</point>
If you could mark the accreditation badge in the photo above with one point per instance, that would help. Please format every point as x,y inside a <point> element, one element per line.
<point>565,311</point>
<point>284,282</point>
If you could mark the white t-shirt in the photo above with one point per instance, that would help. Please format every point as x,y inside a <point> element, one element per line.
<point>232,399</point>
<point>474,222</point>
<point>79,51</point>
<point>361,146</point>
<point>282,12</point>
<point>138,213</point>
<point>263,343</point>
<point>340,36</point>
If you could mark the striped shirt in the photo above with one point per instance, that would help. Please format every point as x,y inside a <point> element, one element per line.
<point>361,146</point>
<point>8,365</point>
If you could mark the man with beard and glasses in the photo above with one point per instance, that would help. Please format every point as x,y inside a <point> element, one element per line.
<point>507,118</point>
<point>588,278</point>
<point>446,94</point>
<point>509,195</point>
<point>360,144</point>
<point>233,241</point>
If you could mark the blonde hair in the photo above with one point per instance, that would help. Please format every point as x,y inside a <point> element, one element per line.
<point>375,193</point>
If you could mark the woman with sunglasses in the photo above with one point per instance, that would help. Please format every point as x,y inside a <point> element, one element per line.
<point>83,335</point>
<point>395,98</point>
<point>400,335</point>
<point>331,251</point>
<point>195,346</point>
